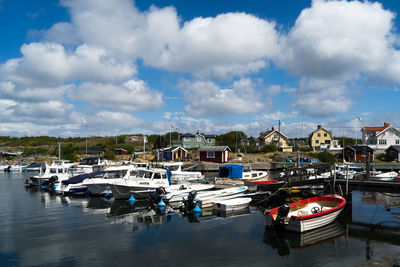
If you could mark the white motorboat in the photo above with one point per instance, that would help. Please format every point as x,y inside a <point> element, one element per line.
<point>75,185</point>
<point>384,176</point>
<point>89,165</point>
<point>178,175</point>
<point>176,193</point>
<point>232,204</point>
<point>241,172</point>
<point>33,167</point>
<point>101,185</point>
<point>58,170</point>
<point>206,199</point>
<point>144,183</point>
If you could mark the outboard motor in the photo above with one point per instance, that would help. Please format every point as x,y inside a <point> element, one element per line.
<point>8,169</point>
<point>50,183</point>
<point>190,203</point>
<point>283,211</point>
<point>157,196</point>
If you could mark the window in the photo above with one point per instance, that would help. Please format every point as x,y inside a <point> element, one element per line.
<point>327,142</point>
<point>317,141</point>
<point>60,170</point>
<point>210,154</point>
<point>325,134</point>
<point>382,141</point>
<point>53,170</point>
<point>319,134</point>
<point>186,139</point>
<point>198,139</point>
<point>209,140</point>
<point>397,141</point>
<point>157,175</point>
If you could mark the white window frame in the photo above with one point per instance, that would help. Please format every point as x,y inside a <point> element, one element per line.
<point>397,141</point>
<point>210,154</point>
<point>382,141</point>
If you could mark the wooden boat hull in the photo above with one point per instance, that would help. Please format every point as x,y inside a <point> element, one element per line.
<point>301,220</point>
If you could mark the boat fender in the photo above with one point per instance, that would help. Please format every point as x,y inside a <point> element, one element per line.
<point>283,211</point>
<point>197,209</point>
<point>132,199</point>
<point>107,195</point>
<point>161,204</point>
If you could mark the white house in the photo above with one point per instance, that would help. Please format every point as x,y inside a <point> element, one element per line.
<point>380,138</point>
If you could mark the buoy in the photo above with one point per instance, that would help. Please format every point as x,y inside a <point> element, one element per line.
<point>25,170</point>
<point>197,209</point>
<point>55,186</point>
<point>132,199</point>
<point>161,208</point>
<point>43,187</point>
<point>107,195</point>
<point>161,204</point>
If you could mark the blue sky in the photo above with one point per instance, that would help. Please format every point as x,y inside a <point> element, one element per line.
<point>96,67</point>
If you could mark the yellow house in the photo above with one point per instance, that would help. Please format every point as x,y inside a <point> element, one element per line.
<point>274,137</point>
<point>320,137</point>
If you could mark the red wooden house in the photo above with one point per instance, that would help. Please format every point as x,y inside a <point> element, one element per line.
<point>218,154</point>
<point>358,153</point>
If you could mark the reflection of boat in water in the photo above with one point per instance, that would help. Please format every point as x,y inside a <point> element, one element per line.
<point>97,205</point>
<point>284,241</point>
<point>140,212</point>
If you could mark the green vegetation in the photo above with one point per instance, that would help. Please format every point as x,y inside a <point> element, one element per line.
<point>269,148</point>
<point>324,156</point>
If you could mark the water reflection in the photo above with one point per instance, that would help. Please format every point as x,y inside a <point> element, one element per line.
<point>283,241</point>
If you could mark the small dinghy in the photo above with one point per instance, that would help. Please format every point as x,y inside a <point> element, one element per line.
<point>306,214</point>
<point>231,204</point>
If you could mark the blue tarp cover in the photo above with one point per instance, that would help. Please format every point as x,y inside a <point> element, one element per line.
<point>231,171</point>
<point>79,178</point>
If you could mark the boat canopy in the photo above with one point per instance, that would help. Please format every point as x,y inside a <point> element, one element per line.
<point>231,171</point>
<point>79,178</point>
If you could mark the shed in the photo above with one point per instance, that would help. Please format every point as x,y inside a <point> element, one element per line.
<point>393,153</point>
<point>358,153</point>
<point>121,151</point>
<point>218,154</point>
<point>171,153</point>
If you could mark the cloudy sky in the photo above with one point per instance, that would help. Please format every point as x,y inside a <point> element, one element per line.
<point>100,67</point>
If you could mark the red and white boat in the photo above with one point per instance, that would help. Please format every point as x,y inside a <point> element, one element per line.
<point>306,214</point>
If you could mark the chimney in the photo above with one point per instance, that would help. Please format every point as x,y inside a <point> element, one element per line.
<point>319,126</point>
<point>386,124</point>
<point>272,128</point>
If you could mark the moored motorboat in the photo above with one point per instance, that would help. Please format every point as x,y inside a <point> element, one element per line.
<point>241,172</point>
<point>206,199</point>
<point>385,176</point>
<point>306,214</point>
<point>59,170</point>
<point>232,204</point>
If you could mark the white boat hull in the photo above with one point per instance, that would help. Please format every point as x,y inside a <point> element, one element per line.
<point>231,205</point>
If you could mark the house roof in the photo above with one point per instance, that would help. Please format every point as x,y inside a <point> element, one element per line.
<point>320,128</point>
<point>168,149</point>
<point>376,129</point>
<point>264,135</point>
<point>214,148</point>
<point>361,148</point>
<point>397,148</point>
<point>193,135</point>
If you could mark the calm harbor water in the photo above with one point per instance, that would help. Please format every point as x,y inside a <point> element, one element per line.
<point>39,229</point>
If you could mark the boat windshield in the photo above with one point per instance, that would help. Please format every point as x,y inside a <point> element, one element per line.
<point>144,174</point>
<point>115,174</point>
